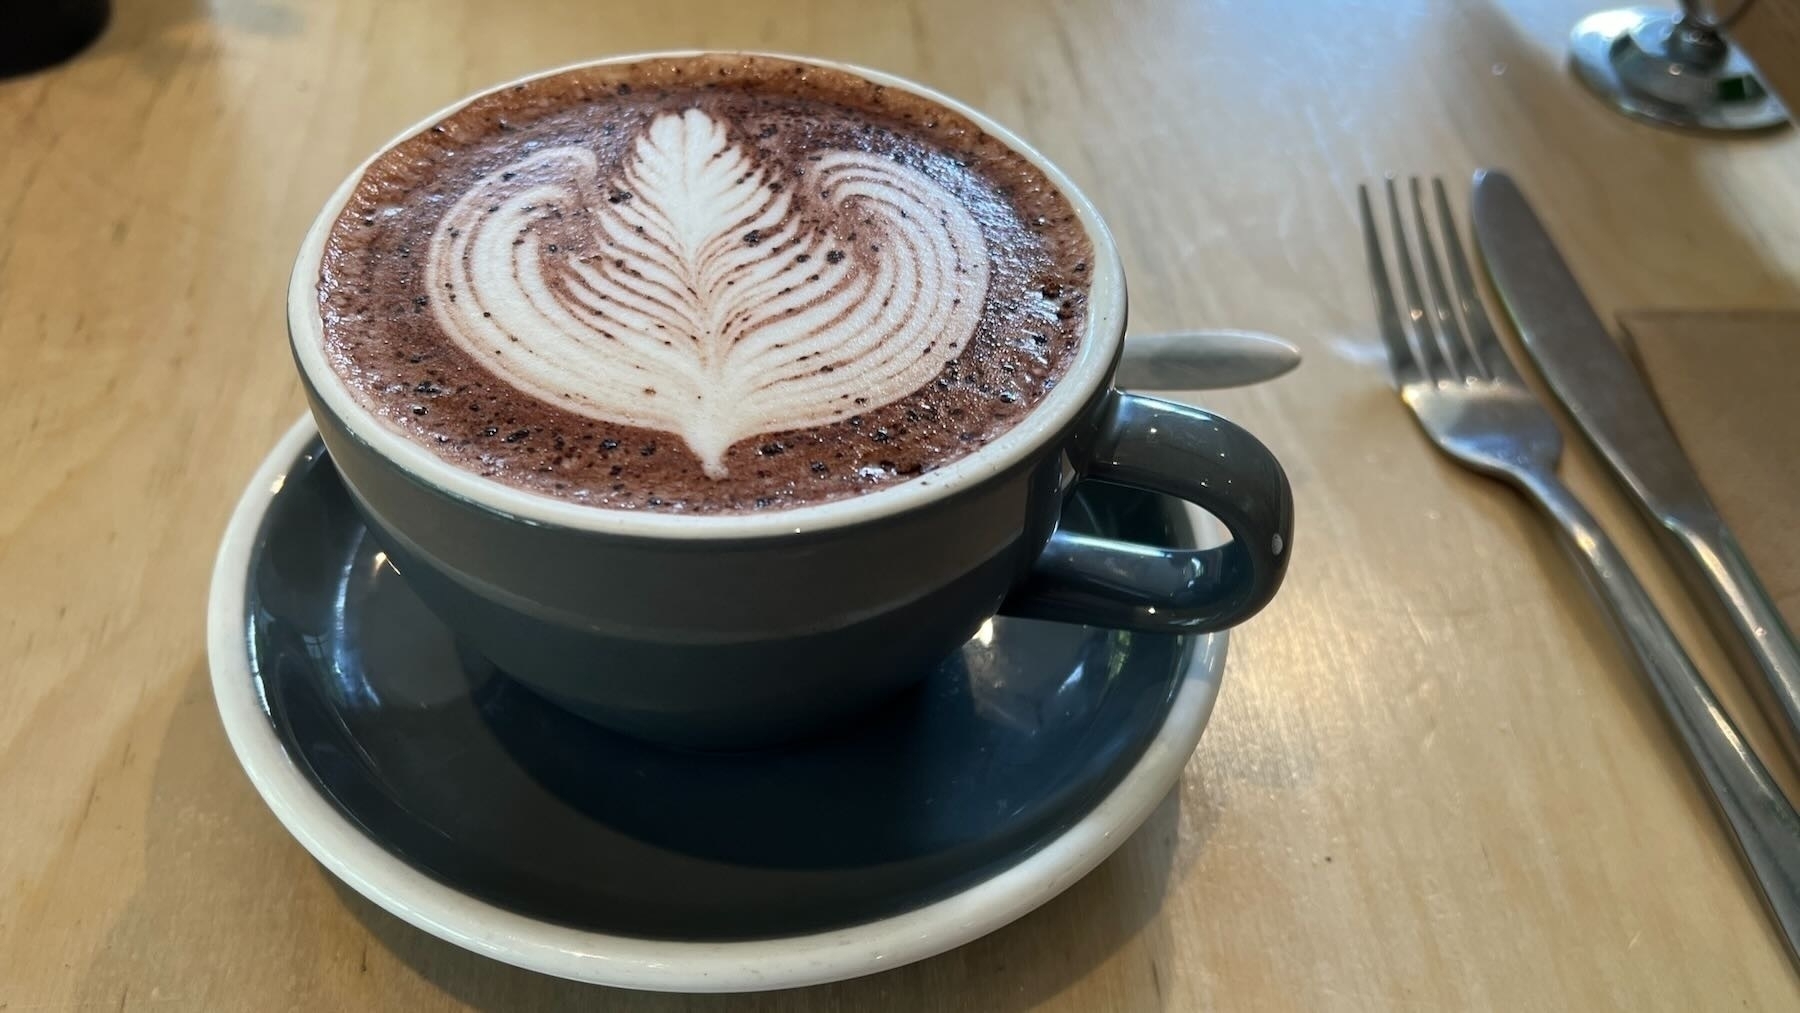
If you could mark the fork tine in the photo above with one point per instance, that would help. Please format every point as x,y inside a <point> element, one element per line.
<point>1400,356</point>
<point>1480,329</point>
<point>1462,360</point>
<point>1429,353</point>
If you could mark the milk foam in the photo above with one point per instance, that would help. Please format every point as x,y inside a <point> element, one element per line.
<point>700,306</point>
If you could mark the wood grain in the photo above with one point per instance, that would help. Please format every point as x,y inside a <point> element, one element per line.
<point>1432,781</point>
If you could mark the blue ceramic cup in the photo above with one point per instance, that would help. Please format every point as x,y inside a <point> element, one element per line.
<point>735,630</point>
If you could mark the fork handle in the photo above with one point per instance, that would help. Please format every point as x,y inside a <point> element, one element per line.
<point>1762,822</point>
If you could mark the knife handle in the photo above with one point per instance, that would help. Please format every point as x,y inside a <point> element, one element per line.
<point>1744,618</point>
<point>1761,822</point>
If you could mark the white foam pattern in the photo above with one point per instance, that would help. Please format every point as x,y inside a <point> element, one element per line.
<point>700,306</point>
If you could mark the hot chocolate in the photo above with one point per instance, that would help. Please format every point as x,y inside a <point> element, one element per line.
<point>718,283</point>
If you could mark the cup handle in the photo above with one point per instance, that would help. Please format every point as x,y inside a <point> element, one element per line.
<point>1160,446</point>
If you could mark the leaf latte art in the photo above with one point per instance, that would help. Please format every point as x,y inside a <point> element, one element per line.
<point>697,298</point>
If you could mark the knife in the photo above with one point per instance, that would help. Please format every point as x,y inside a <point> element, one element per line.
<point>1203,360</point>
<point>1601,388</point>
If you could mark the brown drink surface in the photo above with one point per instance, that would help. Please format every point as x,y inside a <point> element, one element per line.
<point>705,284</point>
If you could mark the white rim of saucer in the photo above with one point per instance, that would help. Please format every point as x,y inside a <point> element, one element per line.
<point>1087,372</point>
<point>651,964</point>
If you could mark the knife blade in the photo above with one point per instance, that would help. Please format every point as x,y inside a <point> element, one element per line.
<point>1202,360</point>
<point>1592,376</point>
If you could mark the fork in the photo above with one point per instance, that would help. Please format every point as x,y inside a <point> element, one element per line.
<point>1462,387</point>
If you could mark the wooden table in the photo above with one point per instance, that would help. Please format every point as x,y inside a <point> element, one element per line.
<point>1432,781</point>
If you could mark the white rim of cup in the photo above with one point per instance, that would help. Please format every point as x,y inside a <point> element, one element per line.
<point>1059,409</point>
<point>632,962</point>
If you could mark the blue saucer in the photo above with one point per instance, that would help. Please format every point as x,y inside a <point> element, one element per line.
<point>474,781</point>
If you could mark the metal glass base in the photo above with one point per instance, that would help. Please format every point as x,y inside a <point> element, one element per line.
<point>1648,63</point>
